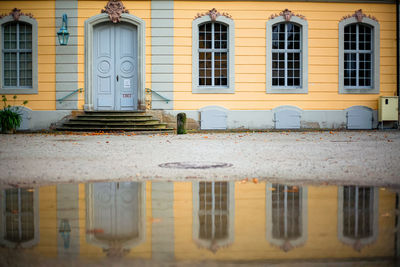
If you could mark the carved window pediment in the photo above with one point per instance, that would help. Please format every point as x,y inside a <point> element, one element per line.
<point>16,14</point>
<point>114,9</point>
<point>287,15</point>
<point>214,14</point>
<point>359,15</point>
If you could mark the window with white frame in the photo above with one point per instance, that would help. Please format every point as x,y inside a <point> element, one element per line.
<point>358,55</point>
<point>18,55</point>
<point>287,54</point>
<point>213,54</point>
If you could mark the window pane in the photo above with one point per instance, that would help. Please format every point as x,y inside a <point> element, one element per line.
<point>10,36</point>
<point>10,69</point>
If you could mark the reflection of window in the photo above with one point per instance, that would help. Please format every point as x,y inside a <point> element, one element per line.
<point>213,55</point>
<point>213,214</point>
<point>286,208</point>
<point>357,215</point>
<point>19,226</point>
<point>213,210</point>
<point>19,215</point>
<point>286,215</point>
<point>18,55</point>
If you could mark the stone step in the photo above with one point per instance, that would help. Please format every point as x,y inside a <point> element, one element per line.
<point>124,129</point>
<point>114,121</point>
<point>111,112</point>
<point>114,124</point>
<point>107,120</point>
<point>114,116</point>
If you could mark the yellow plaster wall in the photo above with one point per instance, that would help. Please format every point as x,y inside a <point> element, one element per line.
<point>250,241</point>
<point>44,13</point>
<point>47,222</point>
<point>250,49</point>
<point>93,252</point>
<point>87,9</point>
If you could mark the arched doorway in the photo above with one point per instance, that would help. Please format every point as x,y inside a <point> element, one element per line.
<point>114,63</point>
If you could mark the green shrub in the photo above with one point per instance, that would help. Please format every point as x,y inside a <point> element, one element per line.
<point>10,117</point>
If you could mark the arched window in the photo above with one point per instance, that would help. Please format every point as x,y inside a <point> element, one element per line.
<point>213,54</point>
<point>358,54</point>
<point>18,55</point>
<point>213,218</point>
<point>286,215</point>
<point>287,54</point>
<point>358,215</point>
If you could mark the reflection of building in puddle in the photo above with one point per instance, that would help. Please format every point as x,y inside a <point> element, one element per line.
<point>357,216</point>
<point>213,214</point>
<point>116,216</point>
<point>286,215</point>
<point>19,218</point>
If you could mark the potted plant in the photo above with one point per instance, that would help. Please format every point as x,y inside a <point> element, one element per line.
<point>10,118</point>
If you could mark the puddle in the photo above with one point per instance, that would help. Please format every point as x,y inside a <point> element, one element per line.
<point>199,223</point>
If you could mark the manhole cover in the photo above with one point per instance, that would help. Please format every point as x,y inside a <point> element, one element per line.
<point>195,165</point>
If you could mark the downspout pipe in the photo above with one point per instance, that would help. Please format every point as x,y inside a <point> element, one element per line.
<point>398,48</point>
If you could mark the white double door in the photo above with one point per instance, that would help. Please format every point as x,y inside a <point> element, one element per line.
<point>114,67</point>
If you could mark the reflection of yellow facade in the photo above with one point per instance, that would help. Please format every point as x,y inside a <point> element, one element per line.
<point>249,240</point>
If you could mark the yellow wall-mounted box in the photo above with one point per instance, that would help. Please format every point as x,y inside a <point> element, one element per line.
<point>388,108</point>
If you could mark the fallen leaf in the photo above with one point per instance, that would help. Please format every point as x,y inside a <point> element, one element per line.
<point>245,180</point>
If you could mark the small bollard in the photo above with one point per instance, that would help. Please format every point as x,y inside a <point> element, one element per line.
<point>181,123</point>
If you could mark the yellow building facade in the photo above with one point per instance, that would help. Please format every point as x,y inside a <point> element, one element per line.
<point>226,64</point>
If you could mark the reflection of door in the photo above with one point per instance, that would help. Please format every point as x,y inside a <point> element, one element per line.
<point>114,66</point>
<point>116,211</point>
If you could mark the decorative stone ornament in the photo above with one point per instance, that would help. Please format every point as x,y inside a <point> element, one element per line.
<point>359,15</point>
<point>214,14</point>
<point>16,14</point>
<point>287,15</point>
<point>114,9</point>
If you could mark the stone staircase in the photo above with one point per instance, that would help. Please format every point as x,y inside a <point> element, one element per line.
<point>93,121</point>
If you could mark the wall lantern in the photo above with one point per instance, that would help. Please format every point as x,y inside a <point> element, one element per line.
<point>65,230</point>
<point>63,33</point>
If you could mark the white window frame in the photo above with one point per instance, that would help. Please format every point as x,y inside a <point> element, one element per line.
<point>20,90</point>
<point>230,87</point>
<point>374,88</point>
<point>303,89</point>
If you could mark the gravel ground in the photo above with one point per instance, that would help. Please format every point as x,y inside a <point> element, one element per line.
<point>338,157</point>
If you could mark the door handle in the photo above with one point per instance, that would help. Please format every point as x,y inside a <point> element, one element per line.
<point>117,78</point>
